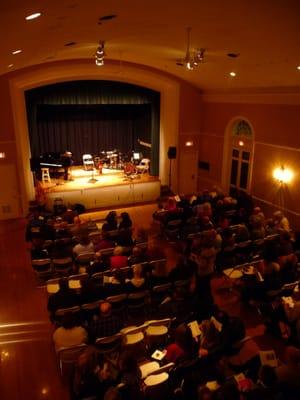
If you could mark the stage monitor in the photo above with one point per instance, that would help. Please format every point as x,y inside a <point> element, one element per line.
<point>136,156</point>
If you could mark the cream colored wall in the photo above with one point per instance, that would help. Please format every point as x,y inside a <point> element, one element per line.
<point>277,142</point>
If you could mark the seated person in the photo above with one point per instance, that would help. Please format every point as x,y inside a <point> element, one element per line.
<point>114,284</point>
<point>242,234</point>
<point>281,222</point>
<point>64,298</point>
<point>92,375</point>
<point>130,377</point>
<point>181,272</point>
<point>85,245</point>
<point>61,250</point>
<point>118,260</point>
<point>38,251</point>
<point>125,238</point>
<point>257,228</point>
<point>97,266</point>
<point>107,324</point>
<point>104,243</point>
<point>289,373</point>
<point>137,282</point>
<point>89,292</point>
<point>126,222</point>
<point>136,257</point>
<point>111,223</point>
<point>267,386</point>
<point>176,306</point>
<point>210,339</point>
<point>183,347</point>
<point>69,334</point>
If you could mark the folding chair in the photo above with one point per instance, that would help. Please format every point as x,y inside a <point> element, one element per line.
<point>75,281</point>
<point>60,313</point>
<point>138,304</point>
<point>67,358</point>
<point>109,344</point>
<point>63,266</point>
<point>42,268</point>
<point>52,286</point>
<point>118,305</point>
<point>90,310</point>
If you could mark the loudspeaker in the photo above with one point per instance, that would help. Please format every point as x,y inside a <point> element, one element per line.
<point>172,153</point>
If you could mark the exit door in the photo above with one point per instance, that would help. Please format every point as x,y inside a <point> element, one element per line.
<point>188,173</point>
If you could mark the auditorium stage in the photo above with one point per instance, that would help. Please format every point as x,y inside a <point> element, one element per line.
<point>111,188</point>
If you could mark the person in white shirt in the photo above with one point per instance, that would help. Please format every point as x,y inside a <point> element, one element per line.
<point>84,246</point>
<point>69,334</point>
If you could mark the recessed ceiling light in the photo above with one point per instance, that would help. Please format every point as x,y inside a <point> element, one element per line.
<point>232,73</point>
<point>33,16</point>
<point>70,44</point>
<point>16,52</point>
<point>10,65</point>
<point>107,17</point>
<point>233,55</point>
<point>298,67</point>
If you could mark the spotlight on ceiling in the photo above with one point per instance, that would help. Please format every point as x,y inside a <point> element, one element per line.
<point>16,52</point>
<point>33,16</point>
<point>99,56</point>
<point>232,73</point>
<point>298,67</point>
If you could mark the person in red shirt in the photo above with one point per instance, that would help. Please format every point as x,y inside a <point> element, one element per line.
<point>184,346</point>
<point>118,260</point>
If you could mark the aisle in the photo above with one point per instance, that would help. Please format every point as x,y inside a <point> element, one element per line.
<point>28,368</point>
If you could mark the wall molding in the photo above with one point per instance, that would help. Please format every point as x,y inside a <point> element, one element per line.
<point>278,146</point>
<point>253,98</point>
<point>269,203</point>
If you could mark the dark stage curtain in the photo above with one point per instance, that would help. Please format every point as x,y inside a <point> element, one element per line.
<point>91,116</point>
<point>91,129</point>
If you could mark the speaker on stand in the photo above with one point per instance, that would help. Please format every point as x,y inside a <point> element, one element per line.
<point>171,156</point>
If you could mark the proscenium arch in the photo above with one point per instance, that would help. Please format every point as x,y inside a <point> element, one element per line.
<point>227,148</point>
<point>50,73</point>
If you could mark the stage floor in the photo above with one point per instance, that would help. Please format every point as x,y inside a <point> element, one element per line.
<point>81,180</point>
<point>111,188</point>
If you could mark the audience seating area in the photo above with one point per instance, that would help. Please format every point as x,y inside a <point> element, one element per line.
<point>152,332</point>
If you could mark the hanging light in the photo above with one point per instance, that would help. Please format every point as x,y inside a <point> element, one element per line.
<point>99,56</point>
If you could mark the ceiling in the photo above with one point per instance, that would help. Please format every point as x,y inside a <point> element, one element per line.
<point>153,33</point>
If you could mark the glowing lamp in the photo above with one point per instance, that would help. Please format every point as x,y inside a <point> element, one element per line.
<point>2,154</point>
<point>241,143</point>
<point>283,175</point>
<point>189,143</point>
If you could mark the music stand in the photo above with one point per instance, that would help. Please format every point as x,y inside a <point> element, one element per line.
<point>93,179</point>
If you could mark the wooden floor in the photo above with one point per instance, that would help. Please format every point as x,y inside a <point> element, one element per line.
<point>28,368</point>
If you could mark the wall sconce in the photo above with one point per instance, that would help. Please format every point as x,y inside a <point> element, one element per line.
<point>241,143</point>
<point>2,154</point>
<point>283,175</point>
<point>189,143</point>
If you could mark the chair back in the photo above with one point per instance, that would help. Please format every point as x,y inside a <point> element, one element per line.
<point>159,267</point>
<point>87,157</point>
<point>109,344</point>
<point>52,286</point>
<point>70,310</point>
<point>67,358</point>
<point>107,252</point>
<point>156,386</point>
<point>62,264</point>
<point>42,265</point>
<point>85,258</point>
<point>75,281</point>
<point>165,288</point>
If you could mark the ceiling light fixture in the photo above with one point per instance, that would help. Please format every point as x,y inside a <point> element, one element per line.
<point>233,74</point>
<point>16,52</point>
<point>10,65</point>
<point>192,58</point>
<point>33,16</point>
<point>99,56</point>
<point>298,67</point>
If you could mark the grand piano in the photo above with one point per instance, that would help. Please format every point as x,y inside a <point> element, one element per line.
<point>57,163</point>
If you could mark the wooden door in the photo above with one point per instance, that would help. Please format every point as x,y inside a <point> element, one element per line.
<point>188,172</point>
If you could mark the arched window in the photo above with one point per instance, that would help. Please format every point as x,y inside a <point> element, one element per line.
<point>241,156</point>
